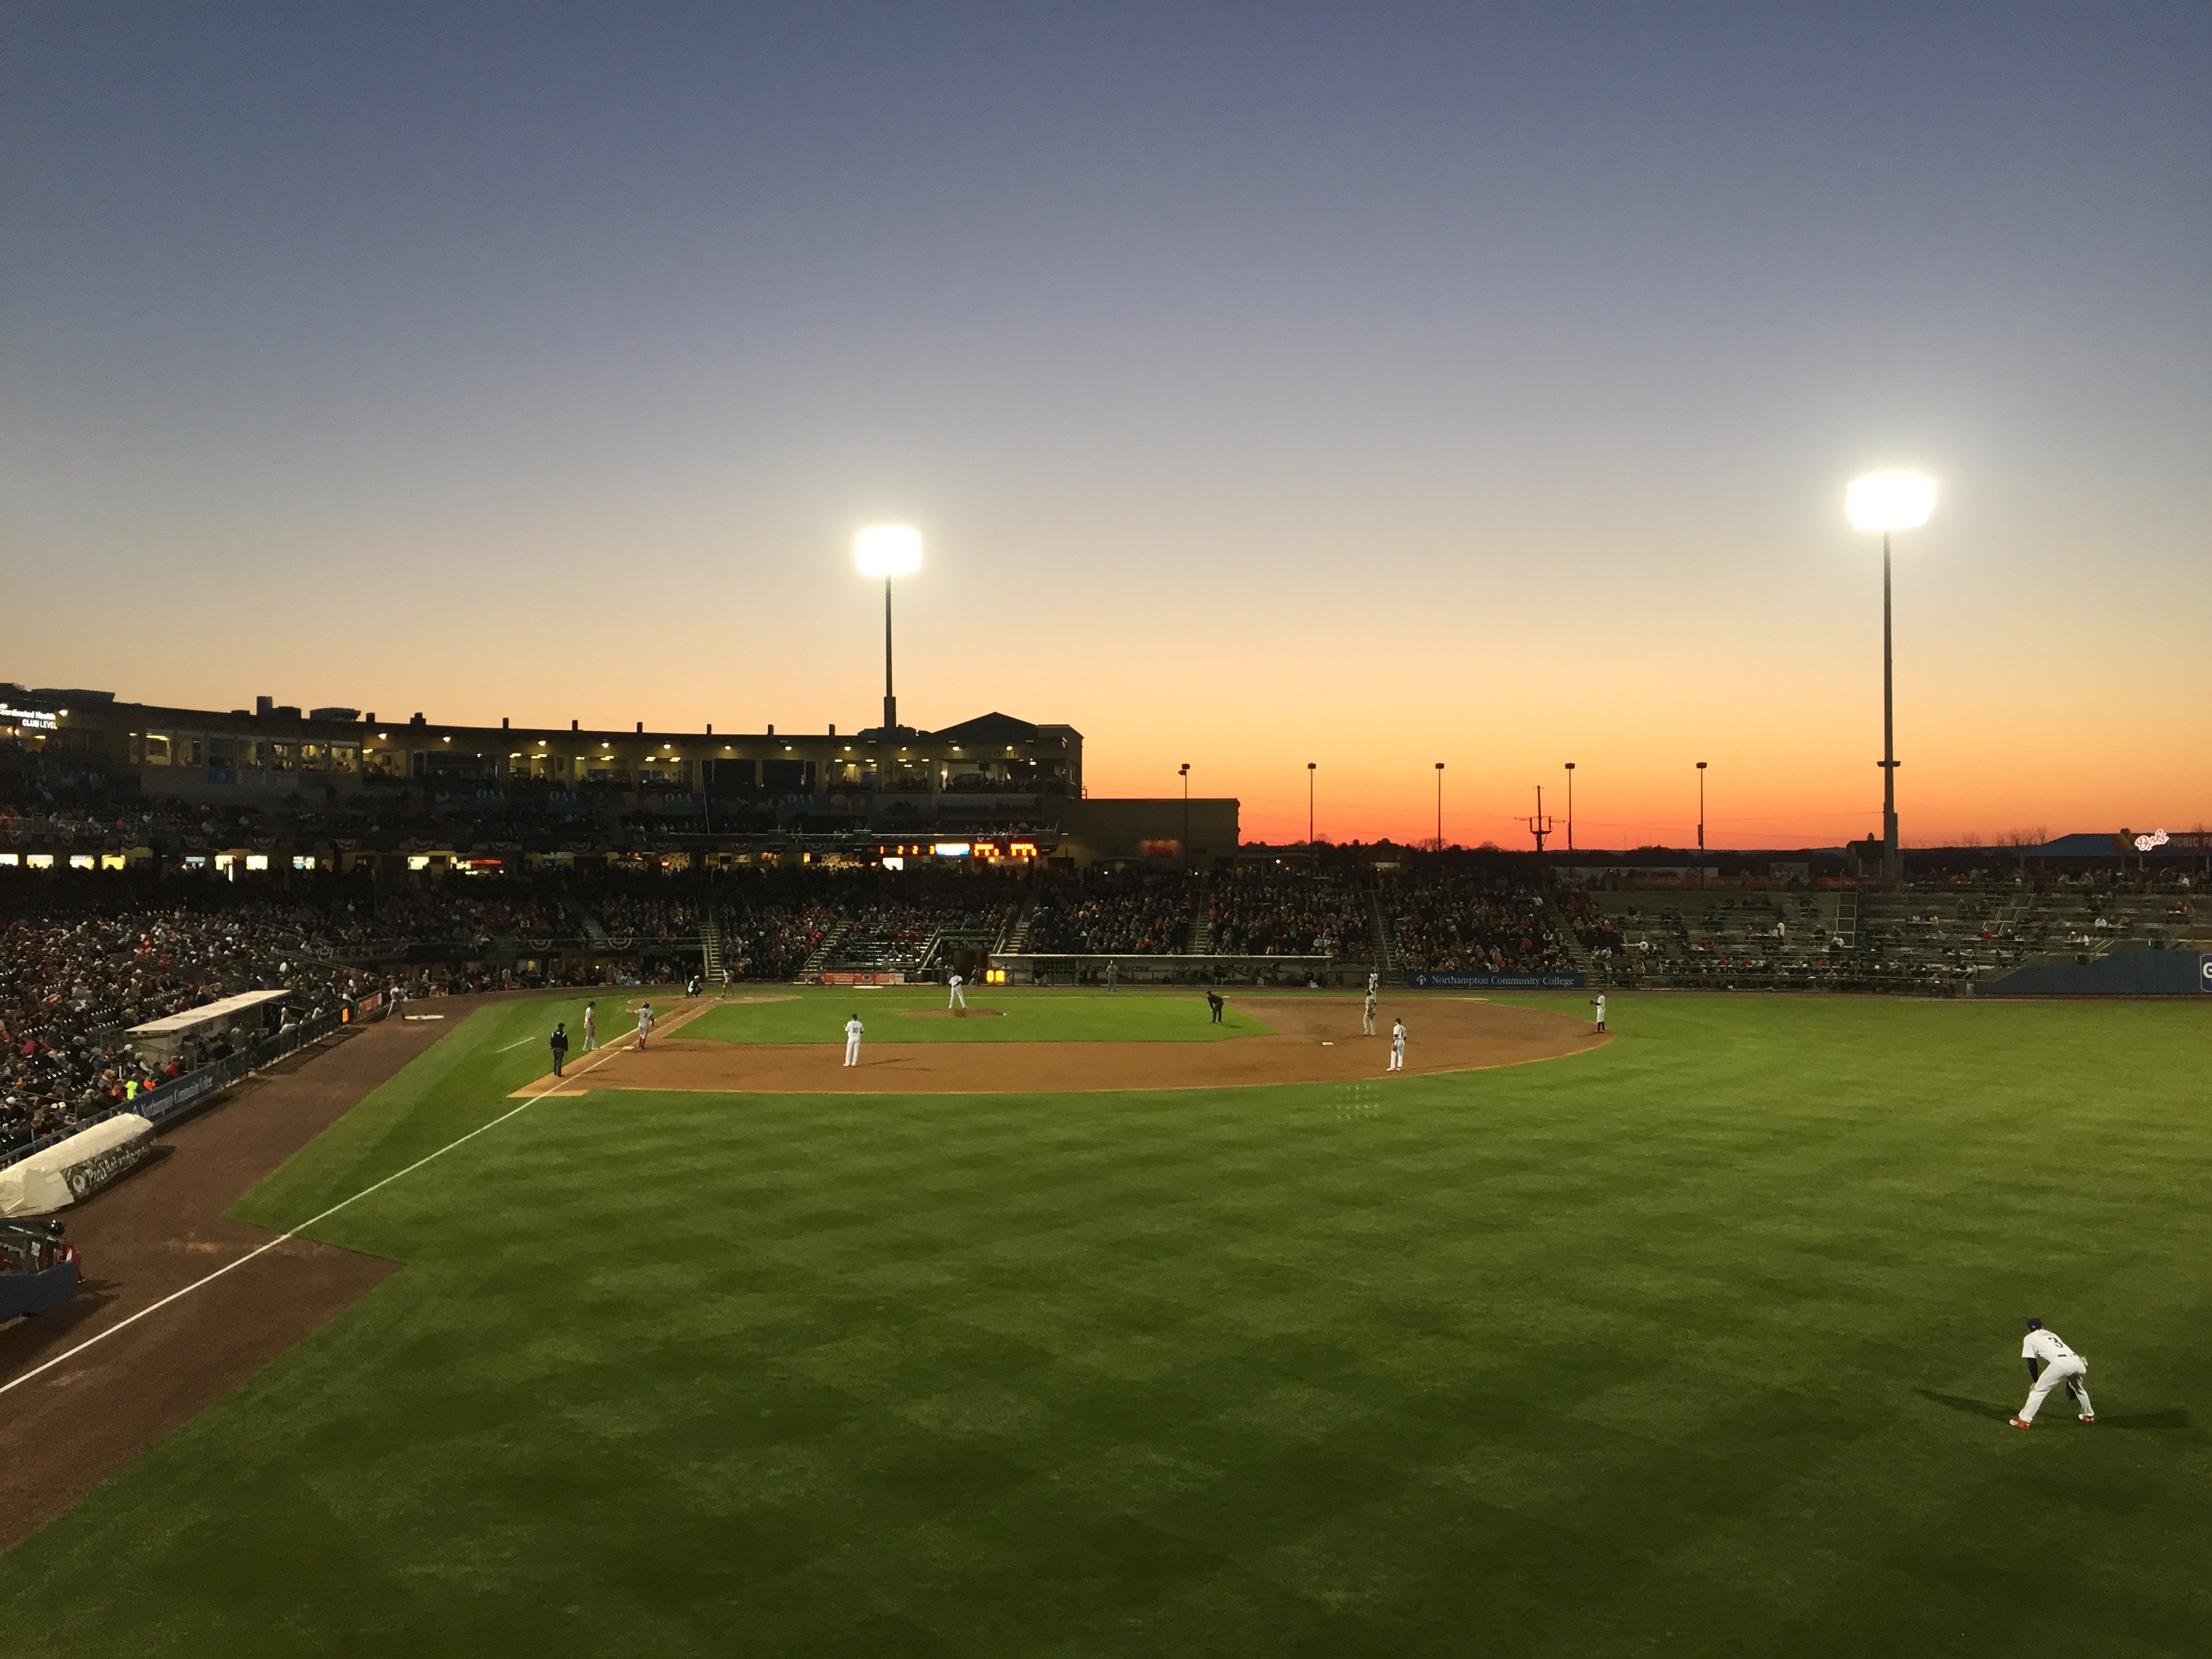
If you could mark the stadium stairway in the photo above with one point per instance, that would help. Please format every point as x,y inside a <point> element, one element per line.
<point>710,951</point>
<point>1386,953</point>
<point>1579,955</point>
<point>594,929</point>
<point>823,952</point>
<point>1015,939</point>
<point>1200,942</point>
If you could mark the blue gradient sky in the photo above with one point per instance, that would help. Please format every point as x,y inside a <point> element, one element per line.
<point>1373,386</point>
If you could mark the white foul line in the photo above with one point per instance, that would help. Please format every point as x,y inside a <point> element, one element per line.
<point>124,1324</point>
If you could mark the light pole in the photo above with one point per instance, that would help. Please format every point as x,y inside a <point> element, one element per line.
<point>1701,812</point>
<point>1186,812</point>
<point>1571,806</point>
<point>1440,807</point>
<point>888,550</point>
<point>1310,765</point>
<point>1887,501</point>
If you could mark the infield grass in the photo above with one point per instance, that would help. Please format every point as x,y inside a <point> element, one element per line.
<point>1700,1344</point>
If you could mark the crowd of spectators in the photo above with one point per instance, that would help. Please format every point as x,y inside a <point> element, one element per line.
<point>1099,911</point>
<point>1593,927</point>
<point>1468,922</point>
<point>71,986</point>
<point>1277,914</point>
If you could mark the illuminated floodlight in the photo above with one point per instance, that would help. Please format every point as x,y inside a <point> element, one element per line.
<point>1890,500</point>
<point>889,549</point>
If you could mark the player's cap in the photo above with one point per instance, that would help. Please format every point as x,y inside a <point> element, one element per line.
<point>2035,1324</point>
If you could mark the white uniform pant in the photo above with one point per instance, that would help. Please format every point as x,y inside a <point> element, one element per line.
<point>1367,1022</point>
<point>852,1051</point>
<point>959,999</point>
<point>2073,1373</point>
<point>591,1040</point>
<point>1397,1058</point>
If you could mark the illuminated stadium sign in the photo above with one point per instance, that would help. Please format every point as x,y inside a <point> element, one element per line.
<point>30,720</point>
<point>2144,843</point>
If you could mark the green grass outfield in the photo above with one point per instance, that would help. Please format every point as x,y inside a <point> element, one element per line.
<point>1702,1343</point>
<point>1023,1016</point>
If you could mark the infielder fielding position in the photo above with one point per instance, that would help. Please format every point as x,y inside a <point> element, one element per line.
<point>2057,1363</point>
<point>853,1029</point>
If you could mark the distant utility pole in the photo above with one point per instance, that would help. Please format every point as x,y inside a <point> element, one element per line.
<point>1571,806</point>
<point>1310,765</point>
<point>1186,812</point>
<point>1440,807</point>
<point>1540,826</point>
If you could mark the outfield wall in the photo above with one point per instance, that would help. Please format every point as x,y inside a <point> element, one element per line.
<point>2122,974</point>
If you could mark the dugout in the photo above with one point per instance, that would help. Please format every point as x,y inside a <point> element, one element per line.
<point>249,1014</point>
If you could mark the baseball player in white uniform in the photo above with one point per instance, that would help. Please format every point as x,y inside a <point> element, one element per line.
<point>644,1022</point>
<point>2057,1363</point>
<point>1397,1045</point>
<point>1598,1003</point>
<point>959,998</point>
<point>853,1029</point>
<point>591,1027</point>
<point>1367,1010</point>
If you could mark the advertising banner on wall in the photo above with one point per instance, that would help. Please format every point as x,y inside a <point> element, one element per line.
<point>1420,981</point>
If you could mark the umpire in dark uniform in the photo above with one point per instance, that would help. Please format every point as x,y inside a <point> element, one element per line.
<point>560,1041</point>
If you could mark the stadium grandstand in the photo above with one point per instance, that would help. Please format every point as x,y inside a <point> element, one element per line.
<point>144,863</point>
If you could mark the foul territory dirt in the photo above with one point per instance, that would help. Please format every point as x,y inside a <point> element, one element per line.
<point>1317,1040</point>
<point>155,1232</point>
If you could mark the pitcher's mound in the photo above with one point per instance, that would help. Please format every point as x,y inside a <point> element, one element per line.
<point>952,1013</point>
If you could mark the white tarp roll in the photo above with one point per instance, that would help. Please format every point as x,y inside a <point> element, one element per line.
<point>76,1168</point>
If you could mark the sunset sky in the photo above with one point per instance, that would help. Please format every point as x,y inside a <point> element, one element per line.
<point>1371,385</point>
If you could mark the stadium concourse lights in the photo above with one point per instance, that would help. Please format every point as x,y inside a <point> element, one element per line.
<point>1889,501</point>
<point>888,550</point>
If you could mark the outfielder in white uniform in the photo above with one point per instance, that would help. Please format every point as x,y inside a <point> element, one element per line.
<point>2057,1363</point>
<point>644,1022</point>
<point>959,999</point>
<point>853,1029</point>
<point>1367,1013</point>
<point>1397,1045</point>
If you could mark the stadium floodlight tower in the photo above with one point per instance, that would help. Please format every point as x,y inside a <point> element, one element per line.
<point>1889,501</point>
<point>888,550</point>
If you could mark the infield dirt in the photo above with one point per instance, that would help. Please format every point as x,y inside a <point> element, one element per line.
<point>1316,1039</point>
